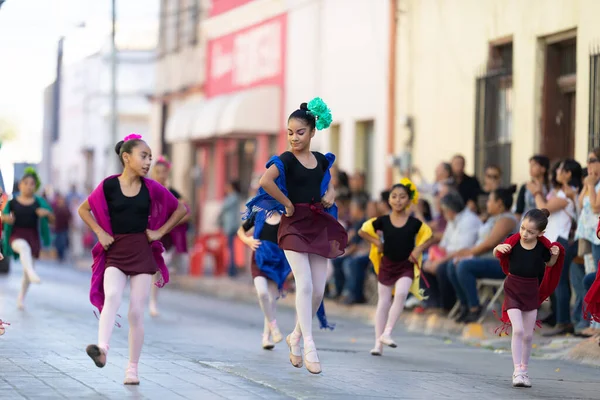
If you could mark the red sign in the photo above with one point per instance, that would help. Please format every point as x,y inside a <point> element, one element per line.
<point>251,57</point>
<point>222,6</point>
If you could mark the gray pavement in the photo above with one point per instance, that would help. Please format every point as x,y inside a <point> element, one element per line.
<point>206,348</point>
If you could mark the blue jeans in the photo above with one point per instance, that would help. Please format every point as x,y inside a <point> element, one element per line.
<point>339,278</point>
<point>61,243</point>
<point>563,290</point>
<point>464,277</point>
<point>354,275</point>
<point>577,273</point>
<point>588,281</point>
<point>441,293</point>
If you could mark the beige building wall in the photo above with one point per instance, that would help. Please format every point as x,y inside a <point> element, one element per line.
<point>443,46</point>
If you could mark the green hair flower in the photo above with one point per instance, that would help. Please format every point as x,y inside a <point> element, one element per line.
<point>322,113</point>
<point>30,171</point>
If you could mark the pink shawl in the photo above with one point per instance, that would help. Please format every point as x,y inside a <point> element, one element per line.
<point>162,205</point>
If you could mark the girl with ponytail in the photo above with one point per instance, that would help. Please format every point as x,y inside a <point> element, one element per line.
<point>26,220</point>
<point>130,214</point>
<point>298,184</point>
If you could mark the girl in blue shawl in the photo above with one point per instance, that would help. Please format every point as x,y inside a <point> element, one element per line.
<point>298,184</point>
<point>269,268</point>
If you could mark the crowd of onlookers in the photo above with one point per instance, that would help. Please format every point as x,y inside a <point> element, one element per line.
<point>471,215</point>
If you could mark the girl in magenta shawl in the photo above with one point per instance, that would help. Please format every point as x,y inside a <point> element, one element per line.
<point>175,242</point>
<point>129,214</point>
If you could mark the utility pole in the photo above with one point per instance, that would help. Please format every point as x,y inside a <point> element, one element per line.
<point>112,161</point>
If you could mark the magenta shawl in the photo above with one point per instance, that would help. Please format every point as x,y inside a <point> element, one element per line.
<point>162,205</point>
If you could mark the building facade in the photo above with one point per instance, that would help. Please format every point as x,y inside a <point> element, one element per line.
<point>222,106</point>
<point>497,81</point>
<point>82,151</point>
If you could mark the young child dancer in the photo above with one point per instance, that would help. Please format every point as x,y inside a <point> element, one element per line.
<point>269,268</point>
<point>175,242</point>
<point>533,267</point>
<point>25,220</point>
<point>399,250</point>
<point>130,216</point>
<point>298,184</point>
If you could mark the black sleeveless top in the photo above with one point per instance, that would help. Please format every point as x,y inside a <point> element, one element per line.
<point>127,214</point>
<point>303,184</point>
<point>268,233</point>
<point>25,216</point>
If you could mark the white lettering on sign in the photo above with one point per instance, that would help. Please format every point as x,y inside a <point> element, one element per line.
<point>222,62</point>
<point>257,54</point>
<point>253,56</point>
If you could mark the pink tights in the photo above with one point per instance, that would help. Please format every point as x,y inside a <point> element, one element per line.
<point>114,284</point>
<point>523,323</point>
<point>389,311</point>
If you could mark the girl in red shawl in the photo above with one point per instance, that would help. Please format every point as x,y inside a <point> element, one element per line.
<point>527,260</point>
<point>130,216</point>
<point>175,242</point>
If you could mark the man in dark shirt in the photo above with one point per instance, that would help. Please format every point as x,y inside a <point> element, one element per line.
<point>61,227</point>
<point>468,186</point>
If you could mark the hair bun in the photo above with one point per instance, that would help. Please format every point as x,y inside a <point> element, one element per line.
<point>118,147</point>
<point>304,106</point>
<point>545,212</point>
<point>512,189</point>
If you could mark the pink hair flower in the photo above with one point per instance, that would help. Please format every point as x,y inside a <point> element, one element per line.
<point>133,136</point>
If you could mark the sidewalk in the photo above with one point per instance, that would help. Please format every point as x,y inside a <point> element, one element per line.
<point>241,289</point>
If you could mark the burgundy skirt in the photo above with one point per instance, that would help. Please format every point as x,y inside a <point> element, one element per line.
<point>521,293</point>
<point>390,271</point>
<point>31,236</point>
<point>311,230</point>
<point>131,254</point>
<point>255,271</point>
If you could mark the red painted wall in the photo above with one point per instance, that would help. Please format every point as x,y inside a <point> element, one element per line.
<point>222,6</point>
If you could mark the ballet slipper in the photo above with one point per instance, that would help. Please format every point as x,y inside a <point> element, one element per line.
<point>131,375</point>
<point>314,367</point>
<point>97,354</point>
<point>295,359</point>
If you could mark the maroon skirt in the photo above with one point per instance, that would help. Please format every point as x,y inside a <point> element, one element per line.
<point>255,271</point>
<point>311,230</point>
<point>131,254</point>
<point>521,293</point>
<point>31,236</point>
<point>390,271</point>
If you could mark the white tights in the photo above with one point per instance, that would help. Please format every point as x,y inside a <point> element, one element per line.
<point>21,247</point>
<point>310,274</point>
<point>389,311</point>
<point>267,295</point>
<point>523,324</point>
<point>114,284</point>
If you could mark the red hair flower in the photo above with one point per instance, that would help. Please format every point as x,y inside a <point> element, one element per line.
<point>133,136</point>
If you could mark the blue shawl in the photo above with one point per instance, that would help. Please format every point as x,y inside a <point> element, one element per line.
<point>268,205</point>
<point>269,257</point>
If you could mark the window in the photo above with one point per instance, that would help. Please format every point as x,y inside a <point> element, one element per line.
<point>594,118</point>
<point>178,24</point>
<point>189,17</point>
<point>493,113</point>
<point>363,148</point>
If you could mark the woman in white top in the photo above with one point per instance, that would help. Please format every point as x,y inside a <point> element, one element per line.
<point>566,182</point>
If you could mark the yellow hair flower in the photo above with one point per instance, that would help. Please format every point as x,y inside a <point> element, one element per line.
<point>413,193</point>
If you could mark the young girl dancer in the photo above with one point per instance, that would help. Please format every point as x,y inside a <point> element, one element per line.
<point>175,242</point>
<point>298,183</point>
<point>25,220</point>
<point>130,216</point>
<point>400,247</point>
<point>269,268</point>
<point>529,259</point>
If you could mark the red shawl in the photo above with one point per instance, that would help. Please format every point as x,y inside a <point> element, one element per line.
<point>549,282</point>
<point>591,301</point>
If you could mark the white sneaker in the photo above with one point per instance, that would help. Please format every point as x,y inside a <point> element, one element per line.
<point>526,380</point>
<point>412,303</point>
<point>518,380</point>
